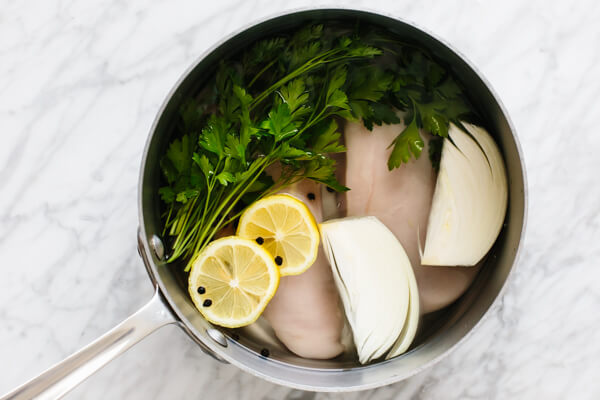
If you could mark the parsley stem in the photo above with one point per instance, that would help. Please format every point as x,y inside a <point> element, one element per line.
<point>193,231</point>
<point>183,223</point>
<point>262,71</point>
<point>307,66</point>
<point>202,235</point>
<point>167,222</point>
<point>220,224</point>
<point>180,245</point>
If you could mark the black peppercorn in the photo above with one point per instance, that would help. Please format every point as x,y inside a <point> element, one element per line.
<point>265,352</point>
<point>201,290</point>
<point>278,260</point>
<point>207,303</point>
<point>311,196</point>
<point>330,190</point>
<point>260,240</point>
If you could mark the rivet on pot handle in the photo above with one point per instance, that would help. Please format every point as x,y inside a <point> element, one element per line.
<point>64,376</point>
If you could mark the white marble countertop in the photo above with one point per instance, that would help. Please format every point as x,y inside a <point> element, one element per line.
<point>80,84</point>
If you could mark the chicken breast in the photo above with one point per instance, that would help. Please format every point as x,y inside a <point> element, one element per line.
<point>401,199</point>
<point>306,313</point>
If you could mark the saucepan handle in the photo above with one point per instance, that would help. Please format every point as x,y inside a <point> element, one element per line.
<point>64,376</point>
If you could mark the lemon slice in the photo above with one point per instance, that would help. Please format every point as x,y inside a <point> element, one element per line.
<point>286,228</point>
<point>232,281</point>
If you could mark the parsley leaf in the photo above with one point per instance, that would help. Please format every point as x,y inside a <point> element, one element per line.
<point>381,114</point>
<point>225,177</point>
<point>167,194</point>
<point>280,123</point>
<point>183,197</point>
<point>295,96</point>
<point>337,80</point>
<point>214,135</point>
<point>323,171</point>
<point>327,138</point>
<point>264,50</point>
<point>338,99</point>
<point>235,149</point>
<point>177,159</point>
<point>407,144</point>
<point>287,152</point>
<point>370,83</point>
<point>203,162</point>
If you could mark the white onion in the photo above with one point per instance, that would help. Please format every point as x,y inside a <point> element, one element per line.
<point>375,281</point>
<point>470,199</point>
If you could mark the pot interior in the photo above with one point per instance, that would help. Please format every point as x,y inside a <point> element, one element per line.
<point>439,331</point>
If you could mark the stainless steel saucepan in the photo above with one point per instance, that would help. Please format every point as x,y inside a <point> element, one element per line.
<point>171,304</point>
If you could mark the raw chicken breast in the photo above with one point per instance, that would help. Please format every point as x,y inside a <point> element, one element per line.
<point>305,312</point>
<point>401,199</point>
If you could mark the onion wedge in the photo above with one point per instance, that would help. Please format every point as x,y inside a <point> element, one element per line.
<point>469,201</point>
<point>376,284</point>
